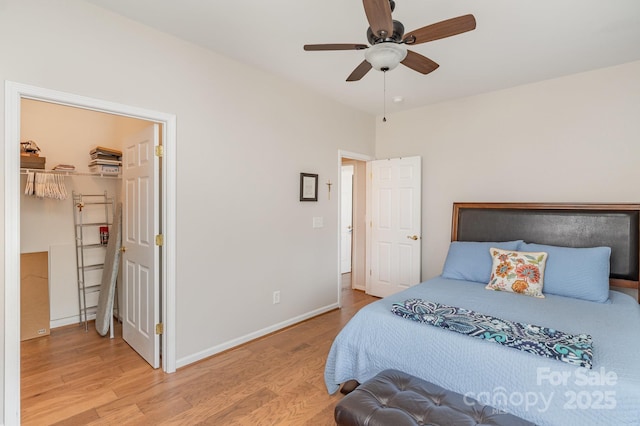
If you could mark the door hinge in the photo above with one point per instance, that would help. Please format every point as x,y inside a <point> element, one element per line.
<point>159,328</point>
<point>159,240</point>
<point>160,151</point>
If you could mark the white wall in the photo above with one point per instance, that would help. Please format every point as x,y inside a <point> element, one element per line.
<point>243,138</point>
<point>571,139</point>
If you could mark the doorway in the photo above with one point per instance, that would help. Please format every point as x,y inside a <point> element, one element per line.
<point>353,208</point>
<point>14,93</point>
<point>67,135</point>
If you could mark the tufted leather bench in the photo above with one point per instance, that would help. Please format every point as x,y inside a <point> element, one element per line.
<point>394,398</point>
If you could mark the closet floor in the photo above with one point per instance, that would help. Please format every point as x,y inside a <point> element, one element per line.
<point>77,378</point>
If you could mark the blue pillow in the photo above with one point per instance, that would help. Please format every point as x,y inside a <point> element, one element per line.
<point>581,273</point>
<point>471,260</point>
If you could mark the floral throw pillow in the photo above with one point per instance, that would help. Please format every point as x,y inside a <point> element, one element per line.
<point>517,271</point>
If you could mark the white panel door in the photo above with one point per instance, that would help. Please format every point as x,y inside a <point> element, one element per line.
<point>395,225</point>
<point>140,260</point>
<point>346,218</point>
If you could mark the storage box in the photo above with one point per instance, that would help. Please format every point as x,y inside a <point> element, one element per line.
<point>34,295</point>
<point>104,168</point>
<point>32,162</point>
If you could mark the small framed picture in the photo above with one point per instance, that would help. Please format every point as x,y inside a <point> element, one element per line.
<point>308,187</point>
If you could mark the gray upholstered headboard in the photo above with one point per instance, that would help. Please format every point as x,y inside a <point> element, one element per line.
<point>571,225</point>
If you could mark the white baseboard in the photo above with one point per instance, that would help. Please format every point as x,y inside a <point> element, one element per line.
<point>181,362</point>
<point>61,322</point>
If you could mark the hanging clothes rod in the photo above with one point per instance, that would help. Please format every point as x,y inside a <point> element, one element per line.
<point>70,173</point>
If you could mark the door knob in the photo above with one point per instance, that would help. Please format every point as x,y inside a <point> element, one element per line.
<point>123,249</point>
<point>413,237</point>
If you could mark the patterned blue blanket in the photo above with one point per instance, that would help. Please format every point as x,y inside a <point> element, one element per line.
<point>543,341</point>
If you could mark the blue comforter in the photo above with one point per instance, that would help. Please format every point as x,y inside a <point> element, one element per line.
<point>538,389</point>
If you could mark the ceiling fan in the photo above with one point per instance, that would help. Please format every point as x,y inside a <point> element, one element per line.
<point>388,41</point>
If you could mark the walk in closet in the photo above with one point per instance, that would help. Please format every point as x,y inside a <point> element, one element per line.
<point>66,135</point>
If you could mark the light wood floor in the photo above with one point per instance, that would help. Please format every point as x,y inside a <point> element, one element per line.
<point>78,378</point>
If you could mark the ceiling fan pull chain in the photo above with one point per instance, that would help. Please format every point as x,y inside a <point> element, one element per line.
<point>384,94</point>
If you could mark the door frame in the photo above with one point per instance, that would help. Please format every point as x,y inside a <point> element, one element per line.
<point>14,93</point>
<point>342,154</point>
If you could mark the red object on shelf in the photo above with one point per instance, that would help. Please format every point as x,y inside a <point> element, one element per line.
<point>104,235</point>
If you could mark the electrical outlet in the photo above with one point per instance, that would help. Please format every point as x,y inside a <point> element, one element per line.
<point>276,297</point>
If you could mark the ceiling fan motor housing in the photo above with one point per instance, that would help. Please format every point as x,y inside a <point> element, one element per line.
<point>398,33</point>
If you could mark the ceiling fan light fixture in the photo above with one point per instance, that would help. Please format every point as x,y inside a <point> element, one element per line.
<point>385,56</point>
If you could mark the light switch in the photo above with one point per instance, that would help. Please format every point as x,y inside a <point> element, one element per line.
<point>318,222</point>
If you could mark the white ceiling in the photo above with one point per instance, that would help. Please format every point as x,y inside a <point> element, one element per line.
<point>515,42</point>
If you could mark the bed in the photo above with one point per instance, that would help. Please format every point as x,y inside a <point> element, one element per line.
<point>539,389</point>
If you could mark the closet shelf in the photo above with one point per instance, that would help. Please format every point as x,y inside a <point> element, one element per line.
<point>94,224</point>
<point>93,204</point>
<point>97,245</point>
<point>94,287</point>
<point>91,267</point>
<point>92,310</point>
<point>72,173</point>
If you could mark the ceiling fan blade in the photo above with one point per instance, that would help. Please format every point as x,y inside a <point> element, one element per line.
<point>360,71</point>
<point>419,63</point>
<point>441,29</point>
<point>379,16</point>
<point>339,46</point>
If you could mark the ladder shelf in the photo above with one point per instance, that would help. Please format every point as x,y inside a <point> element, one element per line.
<point>91,212</point>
